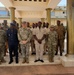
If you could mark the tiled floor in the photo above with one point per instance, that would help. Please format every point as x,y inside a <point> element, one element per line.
<point>37,70</point>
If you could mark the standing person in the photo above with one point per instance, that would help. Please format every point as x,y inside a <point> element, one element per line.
<point>3,39</point>
<point>5,28</point>
<point>12,42</point>
<point>39,36</point>
<point>46,30</point>
<point>52,42</point>
<point>24,36</point>
<point>61,36</point>
<point>33,50</point>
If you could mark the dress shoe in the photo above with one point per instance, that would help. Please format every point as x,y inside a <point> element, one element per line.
<point>42,61</point>
<point>36,60</point>
<point>10,62</point>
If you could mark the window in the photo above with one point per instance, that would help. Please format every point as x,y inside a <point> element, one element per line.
<point>52,13</point>
<point>3,13</point>
<point>63,12</point>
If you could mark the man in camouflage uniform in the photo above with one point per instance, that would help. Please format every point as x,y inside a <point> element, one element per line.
<point>61,36</point>
<point>52,42</point>
<point>5,28</point>
<point>2,44</point>
<point>24,36</point>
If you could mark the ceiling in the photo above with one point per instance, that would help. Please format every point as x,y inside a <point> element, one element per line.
<point>30,8</point>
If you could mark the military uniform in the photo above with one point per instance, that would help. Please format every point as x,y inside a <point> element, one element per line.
<point>45,45</point>
<point>23,35</point>
<point>61,35</point>
<point>12,43</point>
<point>3,39</point>
<point>5,27</point>
<point>39,47</point>
<point>52,42</point>
<point>33,42</point>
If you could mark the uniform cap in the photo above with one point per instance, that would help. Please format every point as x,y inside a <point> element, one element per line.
<point>52,26</point>
<point>12,24</point>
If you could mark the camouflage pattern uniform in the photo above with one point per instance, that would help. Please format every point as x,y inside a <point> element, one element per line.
<point>5,28</point>
<point>23,35</point>
<point>2,44</point>
<point>52,42</point>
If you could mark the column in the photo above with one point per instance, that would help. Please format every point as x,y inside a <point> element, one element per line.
<point>70,22</point>
<point>12,13</point>
<point>20,21</point>
<point>68,61</point>
<point>42,20</point>
<point>48,14</point>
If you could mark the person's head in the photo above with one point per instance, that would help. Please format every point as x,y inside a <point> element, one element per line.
<point>58,22</point>
<point>52,28</point>
<point>39,24</point>
<point>61,24</point>
<point>12,25</point>
<point>24,24</point>
<point>14,22</point>
<point>43,24</point>
<point>33,25</point>
<point>47,25</point>
<point>28,24</point>
<point>36,25</point>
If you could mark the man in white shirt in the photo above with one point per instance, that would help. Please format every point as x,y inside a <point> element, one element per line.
<point>39,36</point>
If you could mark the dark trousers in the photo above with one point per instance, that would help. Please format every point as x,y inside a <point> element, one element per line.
<point>13,48</point>
<point>60,45</point>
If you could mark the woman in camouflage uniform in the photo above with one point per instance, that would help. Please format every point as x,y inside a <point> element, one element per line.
<point>52,42</point>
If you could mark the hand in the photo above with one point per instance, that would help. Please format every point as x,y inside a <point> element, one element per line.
<point>39,41</point>
<point>23,42</point>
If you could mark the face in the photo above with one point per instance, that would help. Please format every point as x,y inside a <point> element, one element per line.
<point>24,25</point>
<point>51,28</point>
<point>58,22</point>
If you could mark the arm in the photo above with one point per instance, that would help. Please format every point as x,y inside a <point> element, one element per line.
<point>19,36</point>
<point>29,35</point>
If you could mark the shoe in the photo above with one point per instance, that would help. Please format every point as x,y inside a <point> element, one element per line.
<point>27,60</point>
<point>42,61</point>
<point>17,62</point>
<point>56,54</point>
<point>10,62</point>
<point>36,60</point>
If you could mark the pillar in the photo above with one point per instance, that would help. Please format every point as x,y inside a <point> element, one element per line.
<point>48,14</point>
<point>20,21</point>
<point>68,61</point>
<point>70,22</point>
<point>12,13</point>
<point>42,20</point>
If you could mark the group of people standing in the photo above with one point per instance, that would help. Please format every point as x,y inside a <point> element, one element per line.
<point>41,37</point>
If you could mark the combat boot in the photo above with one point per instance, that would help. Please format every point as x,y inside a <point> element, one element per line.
<point>24,60</point>
<point>3,60</point>
<point>27,60</point>
<point>51,60</point>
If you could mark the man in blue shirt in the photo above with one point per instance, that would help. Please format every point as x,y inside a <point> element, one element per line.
<point>12,42</point>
